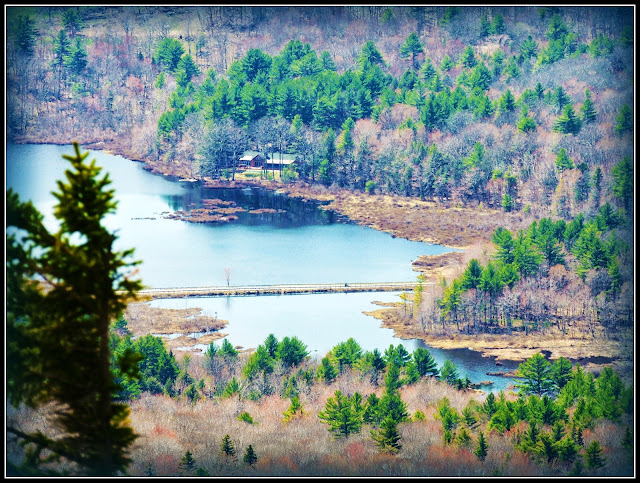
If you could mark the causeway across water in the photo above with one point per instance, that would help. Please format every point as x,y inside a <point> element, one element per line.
<point>283,289</point>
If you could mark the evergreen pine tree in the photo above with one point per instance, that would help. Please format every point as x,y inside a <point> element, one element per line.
<point>391,404</point>
<point>567,122</point>
<point>511,70</point>
<point>481,450</point>
<point>596,181</point>
<point>484,26</point>
<point>464,438</point>
<point>250,456</point>
<point>622,174</point>
<point>69,322</point>
<point>76,60</point>
<point>588,110</point>
<point>468,58</point>
<point>528,48</point>
<point>497,25</point>
<point>387,438</point>
<point>425,363</point>
<point>624,120</point>
<point>428,71</point>
<point>411,47</point>
<point>536,372</point>
<point>525,123</point>
<point>294,410</point>
<point>342,415</point>
<point>507,203</point>
<point>560,98</point>
<point>469,417</point>
<point>507,102</point>
<point>489,407</point>
<point>327,371</point>
<point>227,448</point>
<point>449,372</point>
<point>61,48</point>
<point>563,161</point>
<point>24,34</point>
<point>593,456</point>
<point>446,64</point>
<point>187,463</point>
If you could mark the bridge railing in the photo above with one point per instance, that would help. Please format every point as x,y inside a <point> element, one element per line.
<point>281,288</point>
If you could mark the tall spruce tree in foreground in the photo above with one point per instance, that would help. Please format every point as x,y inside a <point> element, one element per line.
<point>589,113</point>
<point>593,454</point>
<point>63,291</point>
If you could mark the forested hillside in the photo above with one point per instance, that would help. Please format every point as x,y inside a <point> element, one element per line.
<point>517,109</point>
<point>519,117</point>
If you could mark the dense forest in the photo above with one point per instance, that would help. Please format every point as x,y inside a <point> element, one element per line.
<point>521,108</point>
<point>513,109</point>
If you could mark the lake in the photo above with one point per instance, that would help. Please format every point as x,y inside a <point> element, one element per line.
<point>296,243</point>
<point>301,245</point>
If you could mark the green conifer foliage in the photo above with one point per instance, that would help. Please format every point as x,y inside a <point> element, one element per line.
<point>624,120</point>
<point>387,438</point>
<point>623,182</point>
<point>250,457</point>
<point>294,410</point>
<point>563,161</point>
<point>187,463</point>
<point>481,450</point>
<point>468,58</point>
<point>63,291</point>
<point>588,110</point>
<point>342,414</point>
<point>227,447</point>
<point>411,47</point>
<point>537,375</point>
<point>24,34</point>
<point>568,122</point>
<point>593,454</point>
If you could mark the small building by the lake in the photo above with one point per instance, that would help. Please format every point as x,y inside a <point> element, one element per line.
<point>252,159</point>
<point>257,160</point>
<point>281,160</point>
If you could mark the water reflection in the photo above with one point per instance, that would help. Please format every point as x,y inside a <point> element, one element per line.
<point>288,212</point>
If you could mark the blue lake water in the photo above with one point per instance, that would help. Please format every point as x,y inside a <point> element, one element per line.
<point>300,243</point>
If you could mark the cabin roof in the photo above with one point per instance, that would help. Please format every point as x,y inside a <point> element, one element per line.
<point>283,158</point>
<point>249,155</point>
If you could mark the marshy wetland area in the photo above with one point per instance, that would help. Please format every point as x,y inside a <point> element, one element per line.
<point>320,241</point>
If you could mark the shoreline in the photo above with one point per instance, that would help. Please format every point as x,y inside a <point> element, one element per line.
<point>408,218</point>
<point>588,352</point>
